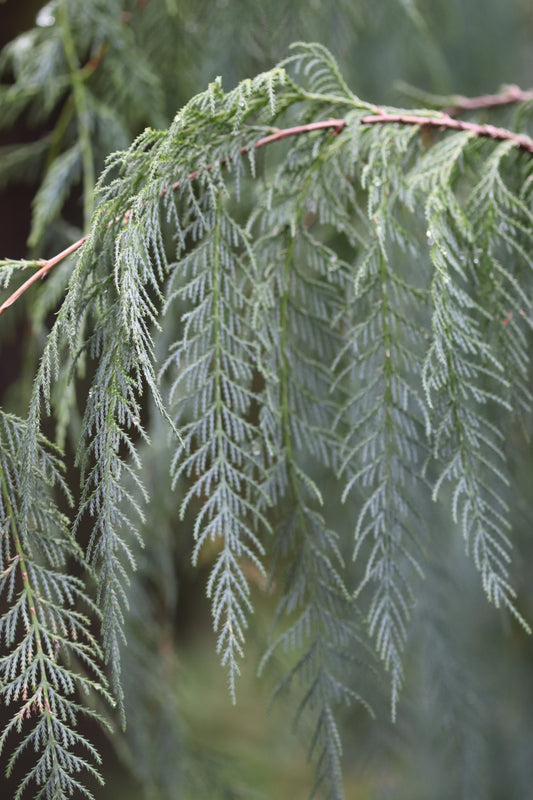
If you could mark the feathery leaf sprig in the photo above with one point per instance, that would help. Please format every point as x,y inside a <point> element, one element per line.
<point>52,658</point>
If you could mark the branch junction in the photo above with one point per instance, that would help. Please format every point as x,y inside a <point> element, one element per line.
<point>441,121</point>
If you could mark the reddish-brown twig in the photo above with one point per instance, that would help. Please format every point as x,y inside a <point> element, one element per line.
<point>441,121</point>
<point>511,94</point>
<point>277,136</point>
<point>42,272</point>
<point>336,124</point>
<point>444,121</point>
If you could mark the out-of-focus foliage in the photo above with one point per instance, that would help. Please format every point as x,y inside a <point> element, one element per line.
<point>304,363</point>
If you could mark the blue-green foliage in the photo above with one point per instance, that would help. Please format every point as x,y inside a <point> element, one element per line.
<point>298,298</point>
<point>212,389</point>
<point>342,316</point>
<point>51,659</point>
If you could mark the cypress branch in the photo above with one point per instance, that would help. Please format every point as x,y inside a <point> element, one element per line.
<point>333,323</point>
<point>443,121</point>
<point>446,122</point>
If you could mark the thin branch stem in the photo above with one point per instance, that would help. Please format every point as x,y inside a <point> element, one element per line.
<point>511,94</point>
<point>441,121</point>
<point>278,135</point>
<point>42,272</point>
<point>444,121</point>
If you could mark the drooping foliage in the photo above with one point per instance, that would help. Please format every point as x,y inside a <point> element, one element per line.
<point>323,303</point>
<point>49,648</point>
